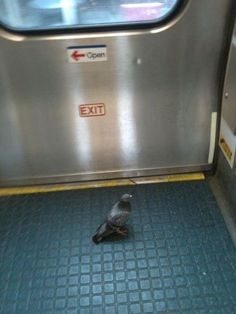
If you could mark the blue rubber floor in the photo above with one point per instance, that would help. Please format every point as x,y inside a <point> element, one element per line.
<point>178,257</point>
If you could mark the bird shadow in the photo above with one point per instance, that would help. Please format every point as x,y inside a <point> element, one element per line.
<point>118,237</point>
<point>115,238</point>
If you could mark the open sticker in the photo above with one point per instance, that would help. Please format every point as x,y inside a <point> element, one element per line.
<point>87,54</point>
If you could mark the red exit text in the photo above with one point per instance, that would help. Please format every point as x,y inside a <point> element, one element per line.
<point>91,110</point>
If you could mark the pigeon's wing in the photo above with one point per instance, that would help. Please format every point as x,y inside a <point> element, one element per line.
<point>102,228</point>
<point>119,219</point>
<point>103,231</point>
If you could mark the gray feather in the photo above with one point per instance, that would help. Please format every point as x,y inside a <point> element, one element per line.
<point>117,217</point>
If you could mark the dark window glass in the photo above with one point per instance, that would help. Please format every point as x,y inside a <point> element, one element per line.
<point>46,14</point>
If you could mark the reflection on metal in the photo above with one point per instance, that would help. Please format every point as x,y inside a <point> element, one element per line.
<point>83,142</point>
<point>81,135</point>
<point>100,184</point>
<point>126,112</point>
<point>234,40</point>
<point>127,127</point>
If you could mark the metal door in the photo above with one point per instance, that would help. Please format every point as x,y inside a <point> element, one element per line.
<point>160,87</point>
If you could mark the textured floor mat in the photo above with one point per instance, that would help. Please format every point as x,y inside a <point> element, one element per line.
<point>178,257</point>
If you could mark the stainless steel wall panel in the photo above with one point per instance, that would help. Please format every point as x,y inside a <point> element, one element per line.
<point>159,91</point>
<point>229,99</point>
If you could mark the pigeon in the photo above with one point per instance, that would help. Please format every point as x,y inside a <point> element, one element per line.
<point>116,220</point>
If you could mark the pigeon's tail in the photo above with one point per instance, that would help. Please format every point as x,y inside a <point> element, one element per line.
<point>96,239</point>
<point>103,231</point>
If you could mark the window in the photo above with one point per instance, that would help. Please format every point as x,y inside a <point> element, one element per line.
<point>54,14</point>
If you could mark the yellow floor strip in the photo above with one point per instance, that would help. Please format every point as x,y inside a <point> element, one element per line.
<point>63,187</point>
<point>98,184</point>
<point>170,178</point>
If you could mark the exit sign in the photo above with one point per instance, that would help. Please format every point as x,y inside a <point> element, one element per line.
<point>92,110</point>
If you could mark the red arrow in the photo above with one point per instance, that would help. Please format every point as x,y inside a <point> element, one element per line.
<point>76,55</point>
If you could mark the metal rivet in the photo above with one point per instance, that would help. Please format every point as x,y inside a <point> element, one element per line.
<point>139,61</point>
<point>226,95</point>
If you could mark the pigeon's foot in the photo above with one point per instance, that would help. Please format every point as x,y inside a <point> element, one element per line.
<point>123,231</point>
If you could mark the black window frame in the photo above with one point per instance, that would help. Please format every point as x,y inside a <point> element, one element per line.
<point>129,26</point>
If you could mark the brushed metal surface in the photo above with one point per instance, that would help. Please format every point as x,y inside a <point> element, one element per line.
<point>229,98</point>
<point>159,91</point>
